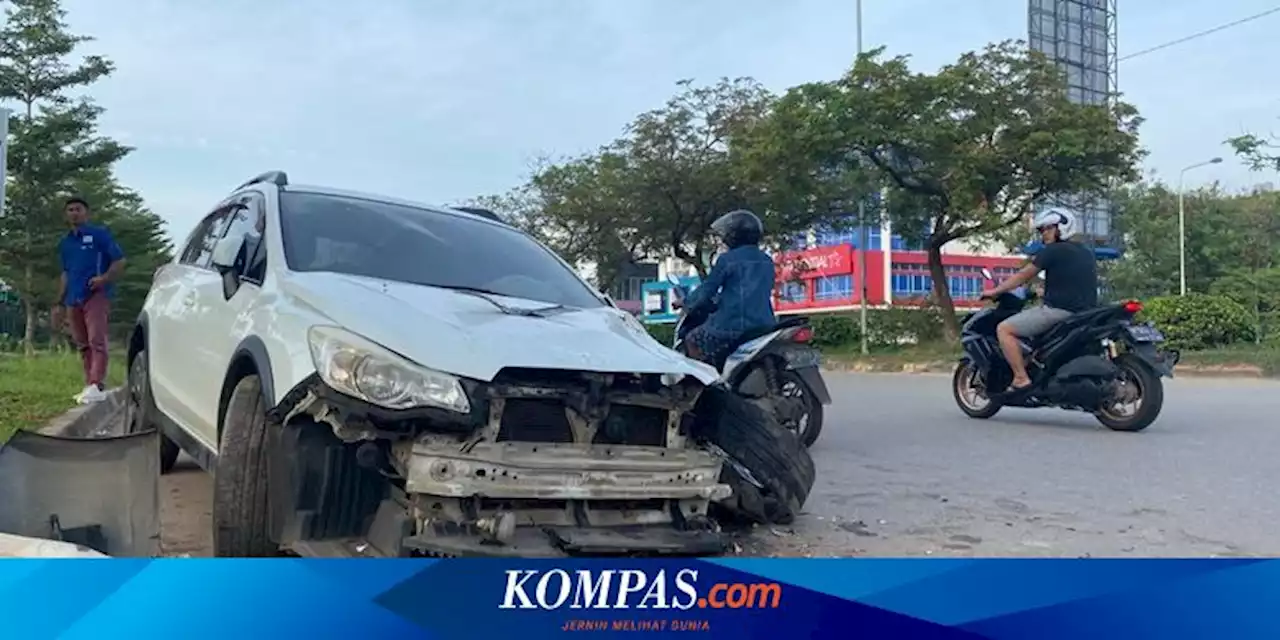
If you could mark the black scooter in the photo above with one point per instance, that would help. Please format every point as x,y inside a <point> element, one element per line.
<point>774,367</point>
<point>1098,361</point>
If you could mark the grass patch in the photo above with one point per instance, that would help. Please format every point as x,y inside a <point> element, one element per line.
<point>34,390</point>
<point>1267,359</point>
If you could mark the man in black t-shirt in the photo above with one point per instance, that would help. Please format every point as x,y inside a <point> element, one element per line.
<point>1071,286</point>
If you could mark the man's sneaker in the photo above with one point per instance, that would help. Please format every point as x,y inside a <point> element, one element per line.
<point>91,394</point>
<point>83,391</point>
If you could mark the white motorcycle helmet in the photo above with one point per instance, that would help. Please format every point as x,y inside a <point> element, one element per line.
<point>1063,219</point>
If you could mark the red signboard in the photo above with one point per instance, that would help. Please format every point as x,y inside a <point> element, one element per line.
<point>813,263</point>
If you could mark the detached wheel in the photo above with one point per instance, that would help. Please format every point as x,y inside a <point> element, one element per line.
<point>240,517</point>
<point>140,409</point>
<point>1138,397</point>
<point>971,393</point>
<point>770,469</point>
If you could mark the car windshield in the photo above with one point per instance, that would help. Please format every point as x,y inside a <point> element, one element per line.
<point>391,241</point>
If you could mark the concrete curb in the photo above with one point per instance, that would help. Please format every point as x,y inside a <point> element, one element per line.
<point>890,367</point>
<point>1223,371</point>
<point>90,421</point>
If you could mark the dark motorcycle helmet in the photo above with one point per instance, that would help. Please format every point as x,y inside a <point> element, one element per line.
<point>738,228</point>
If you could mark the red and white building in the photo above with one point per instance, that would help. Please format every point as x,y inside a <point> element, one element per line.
<point>821,274</point>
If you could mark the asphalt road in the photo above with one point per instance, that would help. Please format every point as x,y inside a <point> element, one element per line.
<point>901,472</point>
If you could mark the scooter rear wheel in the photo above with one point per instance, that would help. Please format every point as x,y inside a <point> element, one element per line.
<point>1141,384</point>
<point>971,394</point>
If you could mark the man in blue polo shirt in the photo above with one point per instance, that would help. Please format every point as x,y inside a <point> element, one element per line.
<point>91,262</point>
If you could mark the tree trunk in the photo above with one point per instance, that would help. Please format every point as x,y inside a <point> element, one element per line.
<point>942,295</point>
<point>29,305</point>
<point>695,261</point>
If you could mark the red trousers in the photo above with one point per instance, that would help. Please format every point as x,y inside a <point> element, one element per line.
<point>89,332</point>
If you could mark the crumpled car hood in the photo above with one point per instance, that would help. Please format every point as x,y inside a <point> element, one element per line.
<point>465,335</point>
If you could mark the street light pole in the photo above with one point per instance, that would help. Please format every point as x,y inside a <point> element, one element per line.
<point>1182,225</point>
<point>862,230</point>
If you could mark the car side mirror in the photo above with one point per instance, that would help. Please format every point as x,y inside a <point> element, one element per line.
<point>226,252</point>
<point>224,261</point>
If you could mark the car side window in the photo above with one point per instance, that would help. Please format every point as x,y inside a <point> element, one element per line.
<point>199,249</point>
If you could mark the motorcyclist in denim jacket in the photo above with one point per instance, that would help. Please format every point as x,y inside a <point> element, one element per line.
<point>740,286</point>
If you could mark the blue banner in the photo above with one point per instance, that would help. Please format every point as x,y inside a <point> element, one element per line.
<point>730,598</point>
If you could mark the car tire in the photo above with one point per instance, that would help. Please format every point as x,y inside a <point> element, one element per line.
<point>140,409</point>
<point>241,528</point>
<point>758,444</point>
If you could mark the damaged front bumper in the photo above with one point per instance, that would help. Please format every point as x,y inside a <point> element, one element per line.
<point>539,471</point>
<point>580,464</point>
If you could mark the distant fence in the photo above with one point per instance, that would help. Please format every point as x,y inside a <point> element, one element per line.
<point>12,324</point>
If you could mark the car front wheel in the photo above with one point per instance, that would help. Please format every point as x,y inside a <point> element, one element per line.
<point>140,409</point>
<point>240,518</point>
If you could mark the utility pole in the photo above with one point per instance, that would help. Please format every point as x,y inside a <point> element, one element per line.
<point>862,232</point>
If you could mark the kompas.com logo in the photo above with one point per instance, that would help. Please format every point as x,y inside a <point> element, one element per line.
<point>614,589</point>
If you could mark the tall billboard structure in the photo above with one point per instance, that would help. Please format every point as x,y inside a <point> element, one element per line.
<point>1080,36</point>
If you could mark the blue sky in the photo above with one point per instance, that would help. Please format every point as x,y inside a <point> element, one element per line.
<point>440,101</point>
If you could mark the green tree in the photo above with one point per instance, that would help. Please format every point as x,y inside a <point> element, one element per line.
<point>1258,291</point>
<point>679,166</point>
<point>1259,152</point>
<point>655,191</point>
<point>966,150</point>
<point>1254,279</point>
<point>53,141</point>
<point>1232,248</point>
<point>1218,236</point>
<point>579,208</point>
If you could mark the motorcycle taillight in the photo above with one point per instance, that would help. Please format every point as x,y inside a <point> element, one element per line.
<point>803,334</point>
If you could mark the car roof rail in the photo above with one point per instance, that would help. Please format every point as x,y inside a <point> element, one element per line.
<point>278,178</point>
<point>483,213</point>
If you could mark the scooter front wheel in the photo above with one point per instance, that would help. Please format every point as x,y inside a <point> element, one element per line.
<point>971,393</point>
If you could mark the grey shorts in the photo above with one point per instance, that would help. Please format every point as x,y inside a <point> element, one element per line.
<point>1036,320</point>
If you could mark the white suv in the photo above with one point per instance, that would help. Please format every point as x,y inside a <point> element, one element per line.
<point>354,368</point>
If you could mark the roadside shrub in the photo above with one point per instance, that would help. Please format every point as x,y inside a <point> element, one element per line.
<point>831,330</point>
<point>1271,322</point>
<point>664,333</point>
<point>1199,321</point>
<point>895,326</point>
<point>885,328</point>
